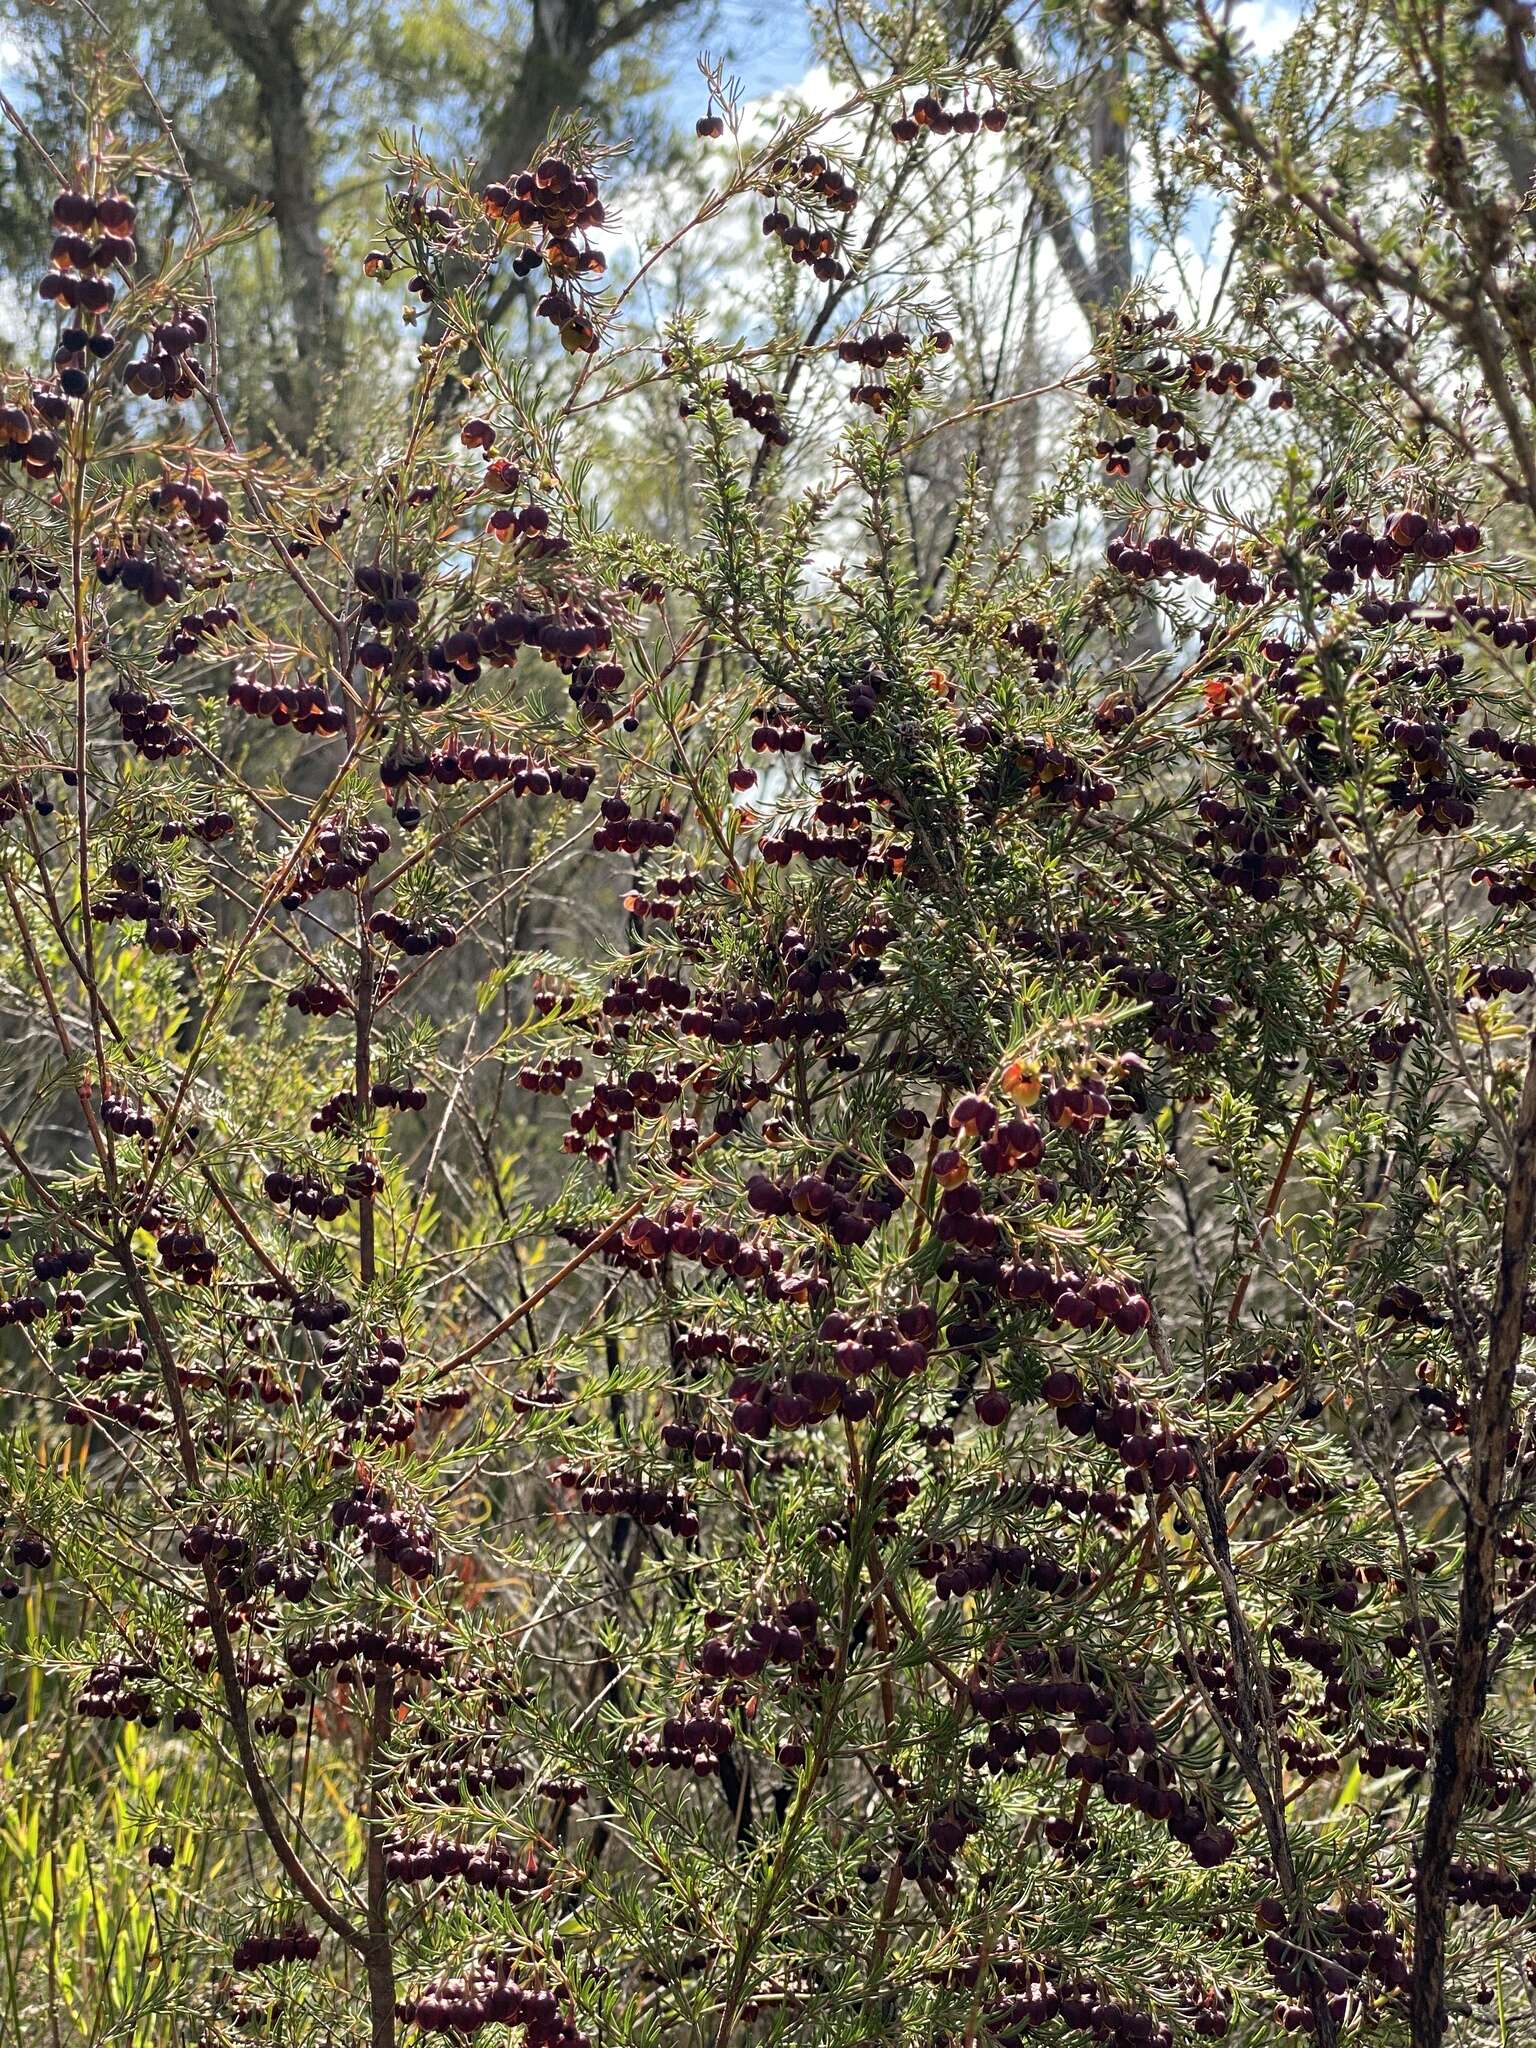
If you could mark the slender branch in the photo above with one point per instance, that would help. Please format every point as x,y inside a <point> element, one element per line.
<point>1458,1738</point>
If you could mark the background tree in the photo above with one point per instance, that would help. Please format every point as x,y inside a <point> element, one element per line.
<point>278,107</point>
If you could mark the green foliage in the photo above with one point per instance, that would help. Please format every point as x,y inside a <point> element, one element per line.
<point>769,1138</point>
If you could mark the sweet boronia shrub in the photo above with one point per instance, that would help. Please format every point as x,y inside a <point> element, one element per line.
<point>910,1428</point>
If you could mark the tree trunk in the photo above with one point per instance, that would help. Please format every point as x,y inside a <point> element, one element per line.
<point>566,41</point>
<point>266,42</point>
<point>563,47</point>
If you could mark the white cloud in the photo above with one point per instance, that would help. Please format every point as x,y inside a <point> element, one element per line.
<point>1265,25</point>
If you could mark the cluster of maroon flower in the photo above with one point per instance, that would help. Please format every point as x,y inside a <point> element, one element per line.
<point>488,1994</point>
<point>558,207</point>
<point>293,1943</point>
<point>288,700</point>
<point>930,116</point>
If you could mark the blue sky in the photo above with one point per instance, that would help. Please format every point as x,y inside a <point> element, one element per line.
<point>765,43</point>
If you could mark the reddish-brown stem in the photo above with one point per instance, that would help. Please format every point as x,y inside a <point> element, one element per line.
<point>1458,1738</point>
<point>315,1895</point>
<point>1292,1143</point>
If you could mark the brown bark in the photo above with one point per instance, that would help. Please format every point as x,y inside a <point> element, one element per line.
<point>265,39</point>
<point>552,78</point>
